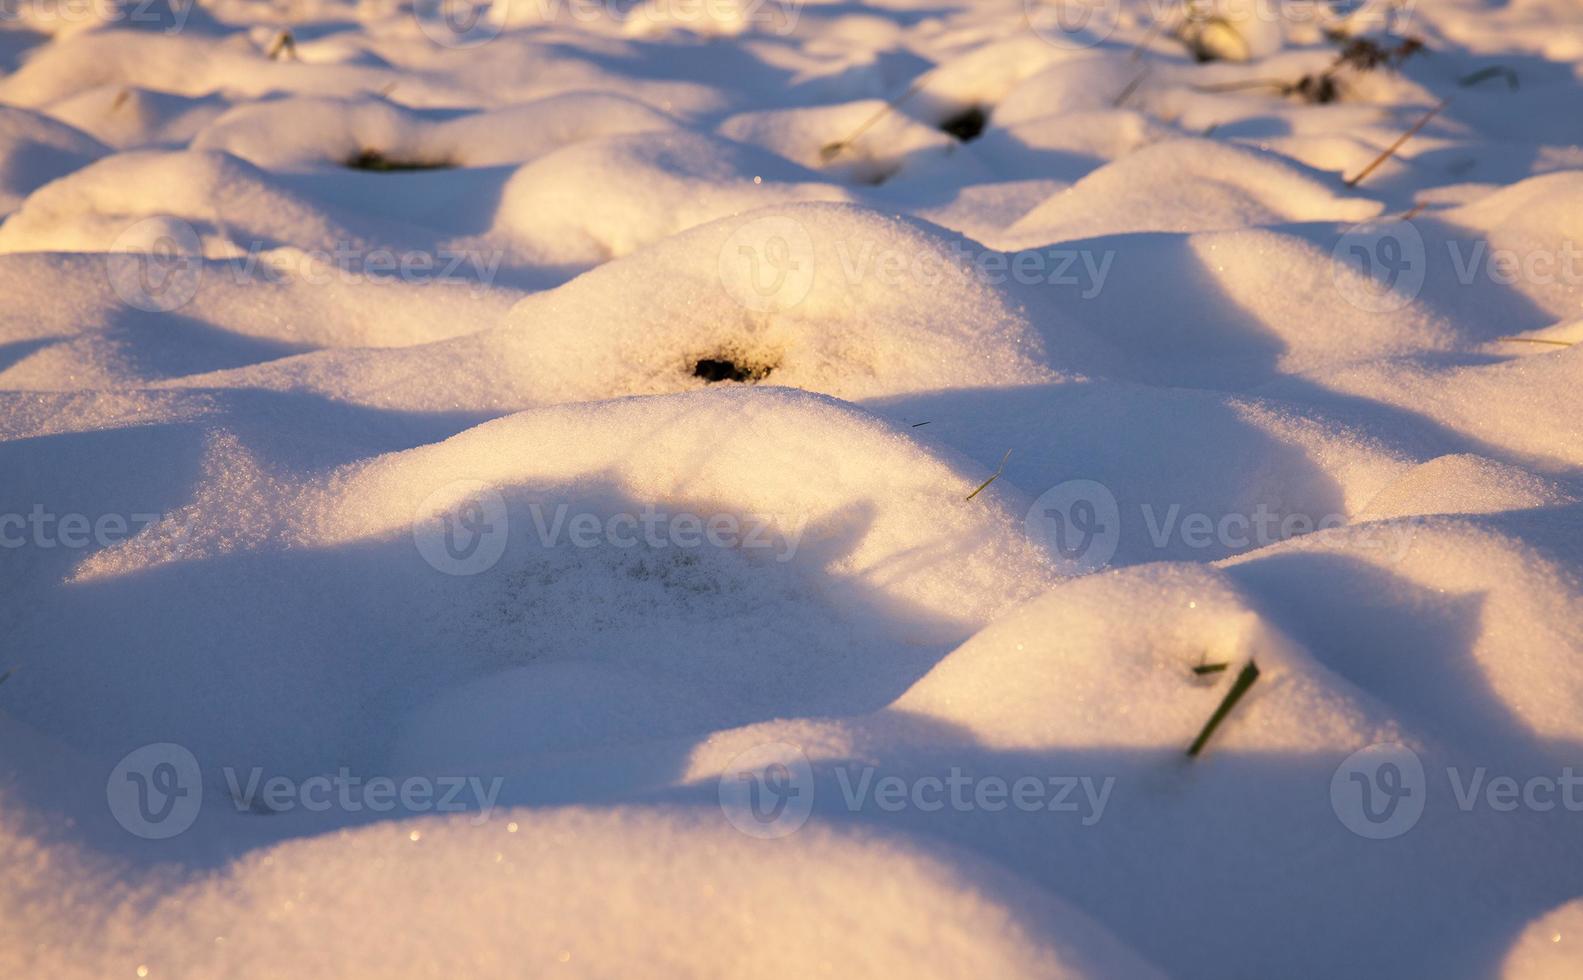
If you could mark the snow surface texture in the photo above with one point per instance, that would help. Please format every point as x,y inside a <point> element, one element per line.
<point>501,489</point>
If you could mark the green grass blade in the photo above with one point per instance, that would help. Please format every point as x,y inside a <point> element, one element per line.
<point>1239,687</point>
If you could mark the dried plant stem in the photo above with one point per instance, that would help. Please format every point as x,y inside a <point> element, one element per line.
<point>1132,86</point>
<point>831,150</point>
<point>1537,340</point>
<point>1274,83</point>
<point>1390,151</point>
<point>993,476</point>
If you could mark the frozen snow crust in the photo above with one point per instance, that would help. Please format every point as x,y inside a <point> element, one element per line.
<point>776,489</point>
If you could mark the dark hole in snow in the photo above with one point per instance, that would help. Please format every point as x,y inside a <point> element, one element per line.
<point>1319,89</point>
<point>967,124</point>
<point>379,163</point>
<point>713,369</point>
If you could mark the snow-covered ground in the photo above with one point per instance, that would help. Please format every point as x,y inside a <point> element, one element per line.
<point>777,487</point>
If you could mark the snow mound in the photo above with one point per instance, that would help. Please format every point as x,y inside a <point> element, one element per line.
<point>1511,404</point>
<point>902,525</point>
<point>1529,245</point>
<point>653,891</point>
<point>979,75</point>
<point>297,132</point>
<point>826,521</point>
<point>1232,30</point>
<point>723,18</point>
<point>1549,948</point>
<point>35,150</point>
<point>1191,185</point>
<point>1465,483</point>
<point>1168,453</point>
<point>836,299</point>
<point>129,117</point>
<point>606,198</point>
<point>109,336</point>
<point>1069,660</point>
<point>808,137</point>
<point>181,64</point>
<point>1457,623</point>
<point>548,708</point>
<point>1069,144</point>
<point>872,411</point>
<point>1067,667</point>
<point>861,305</point>
<point>62,20</point>
<point>228,204</point>
<point>1087,82</point>
<point>1239,307</point>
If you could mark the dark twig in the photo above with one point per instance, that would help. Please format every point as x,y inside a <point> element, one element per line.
<point>1390,151</point>
<point>1239,687</point>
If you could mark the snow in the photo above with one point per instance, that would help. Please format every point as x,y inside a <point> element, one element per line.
<point>1182,186</point>
<point>657,890</point>
<point>295,133</point>
<point>775,488</point>
<point>1548,948</point>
